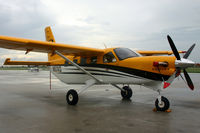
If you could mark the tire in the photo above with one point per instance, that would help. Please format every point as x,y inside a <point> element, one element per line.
<point>72,97</point>
<point>164,106</point>
<point>127,94</point>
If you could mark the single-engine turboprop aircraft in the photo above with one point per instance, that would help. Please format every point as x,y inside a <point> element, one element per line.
<point>82,65</point>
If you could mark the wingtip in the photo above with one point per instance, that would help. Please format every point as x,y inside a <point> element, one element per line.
<point>191,87</point>
<point>7,61</point>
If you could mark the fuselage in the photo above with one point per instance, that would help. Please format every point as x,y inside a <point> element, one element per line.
<point>116,67</point>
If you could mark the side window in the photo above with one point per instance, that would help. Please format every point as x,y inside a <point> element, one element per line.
<point>83,61</point>
<point>93,60</point>
<point>109,57</point>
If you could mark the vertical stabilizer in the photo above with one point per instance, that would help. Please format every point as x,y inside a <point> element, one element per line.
<point>50,38</point>
<point>49,34</point>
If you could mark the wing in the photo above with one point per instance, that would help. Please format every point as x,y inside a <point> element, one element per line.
<point>150,53</point>
<point>46,47</point>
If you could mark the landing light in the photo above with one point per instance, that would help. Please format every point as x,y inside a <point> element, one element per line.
<point>157,64</point>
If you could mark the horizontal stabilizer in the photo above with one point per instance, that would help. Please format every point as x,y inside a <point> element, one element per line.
<point>9,62</point>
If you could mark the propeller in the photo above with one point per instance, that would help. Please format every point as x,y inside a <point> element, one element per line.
<point>182,62</point>
<point>173,47</point>
<point>188,79</point>
<point>189,51</point>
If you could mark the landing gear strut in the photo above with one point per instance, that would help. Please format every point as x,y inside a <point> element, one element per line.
<point>72,97</point>
<point>163,104</point>
<point>127,93</point>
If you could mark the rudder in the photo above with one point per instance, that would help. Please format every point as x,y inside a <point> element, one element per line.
<point>50,38</point>
<point>49,34</point>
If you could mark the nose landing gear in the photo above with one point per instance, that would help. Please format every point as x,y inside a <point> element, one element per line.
<point>162,104</point>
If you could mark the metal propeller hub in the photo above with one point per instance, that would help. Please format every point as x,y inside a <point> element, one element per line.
<point>184,63</point>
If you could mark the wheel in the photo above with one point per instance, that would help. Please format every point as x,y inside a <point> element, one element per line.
<point>72,97</point>
<point>127,94</point>
<point>164,104</point>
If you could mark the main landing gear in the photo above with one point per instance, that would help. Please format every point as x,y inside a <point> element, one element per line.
<point>72,97</point>
<point>126,92</point>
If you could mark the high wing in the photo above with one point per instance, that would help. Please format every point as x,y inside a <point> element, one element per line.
<point>150,53</point>
<point>46,47</point>
<point>29,45</point>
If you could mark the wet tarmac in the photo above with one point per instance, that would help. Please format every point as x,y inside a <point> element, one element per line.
<point>27,105</point>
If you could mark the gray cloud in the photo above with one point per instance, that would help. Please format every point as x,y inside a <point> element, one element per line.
<point>23,18</point>
<point>135,24</point>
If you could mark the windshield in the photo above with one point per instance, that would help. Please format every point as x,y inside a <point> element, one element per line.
<point>124,53</point>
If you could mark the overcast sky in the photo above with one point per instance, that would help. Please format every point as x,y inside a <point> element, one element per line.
<point>135,24</point>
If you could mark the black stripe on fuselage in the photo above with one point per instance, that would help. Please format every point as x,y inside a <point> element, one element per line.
<point>96,70</point>
<point>134,72</point>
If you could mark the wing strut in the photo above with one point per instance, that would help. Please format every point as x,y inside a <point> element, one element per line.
<point>118,87</point>
<point>79,67</point>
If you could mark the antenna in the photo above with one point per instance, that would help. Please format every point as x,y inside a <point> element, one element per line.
<point>104,45</point>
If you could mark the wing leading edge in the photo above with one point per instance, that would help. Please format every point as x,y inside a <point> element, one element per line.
<point>150,53</point>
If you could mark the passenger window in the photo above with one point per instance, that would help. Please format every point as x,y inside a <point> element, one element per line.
<point>109,57</point>
<point>83,61</point>
<point>93,60</point>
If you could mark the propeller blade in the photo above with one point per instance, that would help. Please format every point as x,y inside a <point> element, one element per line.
<point>183,79</point>
<point>188,79</point>
<point>173,47</point>
<point>189,51</point>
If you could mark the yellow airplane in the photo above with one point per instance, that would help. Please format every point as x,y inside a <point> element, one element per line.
<point>82,65</point>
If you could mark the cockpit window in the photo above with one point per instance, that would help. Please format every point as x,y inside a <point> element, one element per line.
<point>109,57</point>
<point>124,53</point>
<point>93,59</point>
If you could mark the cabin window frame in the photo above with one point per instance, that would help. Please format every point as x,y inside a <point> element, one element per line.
<point>83,61</point>
<point>93,60</point>
<point>108,59</point>
<point>125,53</point>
